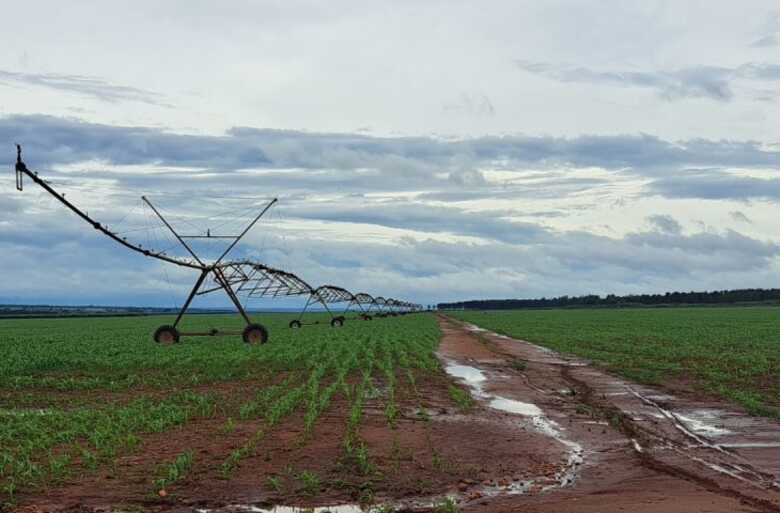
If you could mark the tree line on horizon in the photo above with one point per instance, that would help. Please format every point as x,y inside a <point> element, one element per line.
<point>715,297</point>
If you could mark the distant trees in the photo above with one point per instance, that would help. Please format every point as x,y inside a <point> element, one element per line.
<point>715,297</point>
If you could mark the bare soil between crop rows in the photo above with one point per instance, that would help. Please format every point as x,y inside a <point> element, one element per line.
<point>547,434</point>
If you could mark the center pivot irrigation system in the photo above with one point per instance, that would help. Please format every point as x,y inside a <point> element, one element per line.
<point>236,279</point>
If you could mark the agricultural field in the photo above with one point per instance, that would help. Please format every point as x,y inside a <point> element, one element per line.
<point>80,397</point>
<point>733,352</point>
<point>413,413</point>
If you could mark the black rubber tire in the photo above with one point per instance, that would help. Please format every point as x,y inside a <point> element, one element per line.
<point>166,335</point>
<point>255,334</point>
<point>295,324</point>
<point>337,322</point>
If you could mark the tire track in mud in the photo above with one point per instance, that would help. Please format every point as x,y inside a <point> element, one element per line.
<point>663,445</point>
<point>633,432</point>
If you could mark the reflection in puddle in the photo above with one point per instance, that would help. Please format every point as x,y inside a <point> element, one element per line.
<point>466,373</point>
<point>517,407</point>
<point>240,508</point>
<point>693,428</point>
<point>699,425</point>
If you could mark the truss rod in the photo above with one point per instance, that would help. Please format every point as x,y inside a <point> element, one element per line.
<point>246,230</point>
<point>186,246</point>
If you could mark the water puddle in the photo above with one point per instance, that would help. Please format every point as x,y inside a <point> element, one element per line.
<point>695,429</point>
<point>427,504</point>
<point>694,426</point>
<point>753,445</point>
<point>662,397</point>
<point>516,407</point>
<point>699,422</point>
<point>242,508</point>
<point>475,379</point>
<point>472,376</point>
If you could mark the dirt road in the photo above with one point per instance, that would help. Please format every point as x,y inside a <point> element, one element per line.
<point>620,446</point>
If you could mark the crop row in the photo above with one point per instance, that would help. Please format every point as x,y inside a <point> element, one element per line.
<point>303,370</point>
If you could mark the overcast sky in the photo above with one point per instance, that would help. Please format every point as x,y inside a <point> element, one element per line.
<point>433,151</point>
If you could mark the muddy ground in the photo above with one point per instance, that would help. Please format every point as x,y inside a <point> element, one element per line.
<point>546,434</point>
<point>642,449</point>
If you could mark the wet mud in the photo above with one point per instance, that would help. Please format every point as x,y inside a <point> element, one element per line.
<point>641,449</point>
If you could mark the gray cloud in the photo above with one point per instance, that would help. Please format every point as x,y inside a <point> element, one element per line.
<point>716,184</point>
<point>665,223</point>
<point>425,218</point>
<point>291,163</point>
<point>713,82</point>
<point>50,141</point>
<point>85,86</point>
<point>549,186</point>
<point>10,205</point>
<point>740,216</point>
<point>83,267</point>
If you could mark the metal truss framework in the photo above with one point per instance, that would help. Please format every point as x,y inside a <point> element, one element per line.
<point>235,278</point>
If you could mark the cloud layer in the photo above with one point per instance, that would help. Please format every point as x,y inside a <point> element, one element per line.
<point>85,86</point>
<point>385,214</point>
<point>712,82</point>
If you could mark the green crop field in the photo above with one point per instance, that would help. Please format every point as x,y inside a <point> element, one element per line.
<point>75,394</point>
<point>734,352</point>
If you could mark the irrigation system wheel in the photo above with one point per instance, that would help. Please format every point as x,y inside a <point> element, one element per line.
<point>255,334</point>
<point>295,323</point>
<point>337,322</point>
<point>166,335</point>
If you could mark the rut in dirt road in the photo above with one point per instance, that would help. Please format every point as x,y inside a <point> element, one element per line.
<point>628,437</point>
